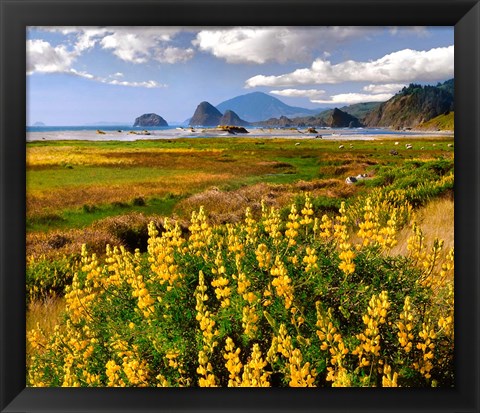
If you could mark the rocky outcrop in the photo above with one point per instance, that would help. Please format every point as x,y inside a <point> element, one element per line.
<point>233,129</point>
<point>340,119</point>
<point>232,119</point>
<point>413,105</point>
<point>150,119</point>
<point>206,115</point>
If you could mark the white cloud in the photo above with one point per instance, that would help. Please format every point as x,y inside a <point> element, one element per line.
<point>384,88</point>
<point>419,31</point>
<point>131,44</point>
<point>403,66</point>
<point>43,57</point>
<point>316,96</point>
<point>263,44</point>
<point>351,98</point>
<point>110,80</point>
<point>139,45</point>
<point>308,93</point>
<point>173,55</point>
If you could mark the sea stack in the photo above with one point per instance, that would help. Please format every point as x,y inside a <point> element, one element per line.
<point>206,115</point>
<point>231,118</point>
<point>150,119</point>
<point>340,119</point>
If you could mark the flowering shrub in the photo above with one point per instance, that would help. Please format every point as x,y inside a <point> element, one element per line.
<point>306,301</point>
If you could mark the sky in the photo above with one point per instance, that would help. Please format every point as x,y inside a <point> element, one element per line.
<point>86,75</point>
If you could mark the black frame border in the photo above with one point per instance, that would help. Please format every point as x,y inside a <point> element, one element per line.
<point>16,15</point>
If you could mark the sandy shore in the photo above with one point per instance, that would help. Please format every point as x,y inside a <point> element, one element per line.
<point>126,135</point>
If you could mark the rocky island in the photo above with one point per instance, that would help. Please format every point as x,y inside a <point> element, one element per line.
<point>150,119</point>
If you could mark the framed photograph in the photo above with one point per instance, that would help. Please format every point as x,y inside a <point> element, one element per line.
<point>249,196</point>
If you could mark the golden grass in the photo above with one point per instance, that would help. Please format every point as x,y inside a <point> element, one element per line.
<point>40,202</point>
<point>48,156</point>
<point>59,243</point>
<point>436,219</point>
<point>229,206</point>
<point>45,314</point>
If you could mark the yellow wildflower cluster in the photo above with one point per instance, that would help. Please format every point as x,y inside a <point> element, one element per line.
<point>292,226</point>
<point>200,233</point>
<point>405,326</point>
<point>254,374</point>
<point>271,222</point>
<point>332,341</point>
<point>251,228</point>
<point>161,252</point>
<point>424,365</point>
<point>389,379</point>
<point>307,211</point>
<point>282,282</point>
<point>233,363</point>
<point>264,256</point>
<point>221,282</point>
<point>369,347</point>
<point>341,235</point>
<point>298,375</point>
<point>207,324</point>
<point>310,259</point>
<point>157,318</point>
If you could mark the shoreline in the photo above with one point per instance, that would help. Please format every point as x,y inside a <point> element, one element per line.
<point>331,135</point>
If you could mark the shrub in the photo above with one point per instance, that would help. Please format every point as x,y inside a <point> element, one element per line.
<point>267,302</point>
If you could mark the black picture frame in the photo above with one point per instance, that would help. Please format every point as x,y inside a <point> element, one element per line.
<point>16,15</point>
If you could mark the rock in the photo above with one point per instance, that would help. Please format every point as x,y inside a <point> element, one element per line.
<point>232,119</point>
<point>150,119</point>
<point>206,115</point>
<point>233,129</point>
<point>340,119</point>
<point>393,152</point>
<point>311,130</point>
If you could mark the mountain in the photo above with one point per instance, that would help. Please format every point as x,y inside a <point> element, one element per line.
<point>38,124</point>
<point>258,106</point>
<point>150,119</point>
<point>205,115</point>
<point>334,118</point>
<point>360,110</point>
<point>413,105</point>
<point>232,119</point>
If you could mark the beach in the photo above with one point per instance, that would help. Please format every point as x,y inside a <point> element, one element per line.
<point>177,133</point>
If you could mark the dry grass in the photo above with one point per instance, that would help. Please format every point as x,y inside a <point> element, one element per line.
<point>436,220</point>
<point>40,203</point>
<point>44,314</point>
<point>229,206</point>
<point>125,230</point>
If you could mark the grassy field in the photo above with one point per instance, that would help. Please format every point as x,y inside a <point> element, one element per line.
<point>73,184</point>
<point>99,193</point>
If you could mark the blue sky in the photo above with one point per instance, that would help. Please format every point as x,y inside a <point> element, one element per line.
<point>81,75</point>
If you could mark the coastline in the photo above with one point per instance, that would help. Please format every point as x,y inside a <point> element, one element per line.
<point>178,133</point>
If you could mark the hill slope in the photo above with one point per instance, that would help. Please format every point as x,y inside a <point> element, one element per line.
<point>445,121</point>
<point>413,105</point>
<point>259,106</point>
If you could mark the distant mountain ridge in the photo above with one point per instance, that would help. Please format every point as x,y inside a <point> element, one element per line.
<point>334,118</point>
<point>259,106</point>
